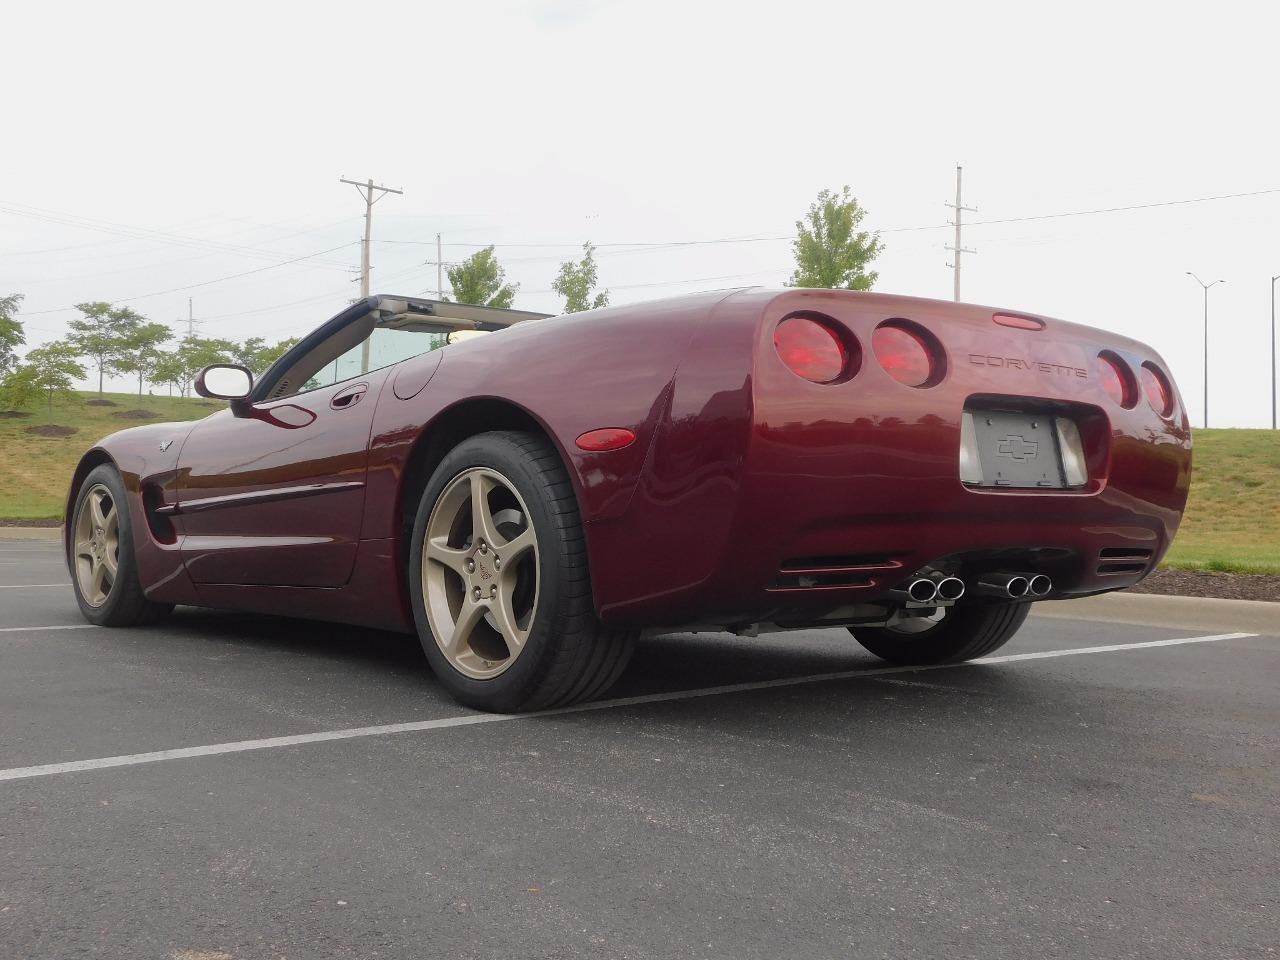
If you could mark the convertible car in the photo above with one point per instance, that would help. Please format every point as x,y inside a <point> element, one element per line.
<point>527,494</point>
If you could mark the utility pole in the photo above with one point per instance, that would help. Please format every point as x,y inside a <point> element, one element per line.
<point>439,270</point>
<point>1206,340</point>
<point>959,247</point>
<point>191,319</point>
<point>366,192</point>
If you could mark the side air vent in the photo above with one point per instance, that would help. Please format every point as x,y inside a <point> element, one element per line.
<point>1113,560</point>
<point>834,572</point>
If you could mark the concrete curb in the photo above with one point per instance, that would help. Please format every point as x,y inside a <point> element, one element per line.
<point>1191,613</point>
<point>30,533</point>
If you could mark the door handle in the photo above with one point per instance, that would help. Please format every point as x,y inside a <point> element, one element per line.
<point>349,397</point>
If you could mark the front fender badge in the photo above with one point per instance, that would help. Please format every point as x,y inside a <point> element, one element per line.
<point>165,445</point>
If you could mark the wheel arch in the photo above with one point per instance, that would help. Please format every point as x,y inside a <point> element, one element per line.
<point>456,423</point>
<point>90,461</point>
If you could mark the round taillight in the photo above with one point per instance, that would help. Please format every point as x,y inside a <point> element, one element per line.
<point>908,353</point>
<point>811,349</point>
<point>1156,387</point>
<point>1116,379</point>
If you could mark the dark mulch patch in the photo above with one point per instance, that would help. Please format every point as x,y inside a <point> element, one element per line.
<point>101,402</point>
<point>14,415</point>
<point>22,522</point>
<point>1202,583</point>
<point>51,430</point>
<point>139,414</point>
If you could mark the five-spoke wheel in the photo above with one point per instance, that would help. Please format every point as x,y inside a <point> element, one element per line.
<point>499,580</point>
<point>480,572</point>
<point>104,573</point>
<point>96,543</point>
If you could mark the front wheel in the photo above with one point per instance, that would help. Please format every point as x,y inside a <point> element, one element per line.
<point>953,635</point>
<point>499,581</point>
<point>104,573</point>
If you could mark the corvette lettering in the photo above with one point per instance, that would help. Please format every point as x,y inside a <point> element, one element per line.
<point>1017,363</point>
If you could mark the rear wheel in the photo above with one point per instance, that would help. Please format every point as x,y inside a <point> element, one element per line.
<point>499,581</point>
<point>952,635</point>
<point>104,573</point>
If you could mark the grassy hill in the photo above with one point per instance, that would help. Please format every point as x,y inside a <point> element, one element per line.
<point>35,470</point>
<point>1232,523</point>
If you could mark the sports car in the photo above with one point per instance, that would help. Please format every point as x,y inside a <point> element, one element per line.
<point>528,494</point>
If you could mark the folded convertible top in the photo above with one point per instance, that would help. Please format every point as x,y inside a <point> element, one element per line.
<point>414,313</point>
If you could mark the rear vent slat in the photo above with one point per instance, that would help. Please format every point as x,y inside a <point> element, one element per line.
<point>1119,560</point>
<point>833,572</point>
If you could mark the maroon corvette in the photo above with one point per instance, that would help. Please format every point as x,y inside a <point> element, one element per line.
<point>527,501</point>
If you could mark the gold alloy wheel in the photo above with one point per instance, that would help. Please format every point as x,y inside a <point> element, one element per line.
<point>480,573</point>
<point>97,545</point>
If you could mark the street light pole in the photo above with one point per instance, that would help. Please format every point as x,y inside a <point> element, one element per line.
<point>1273,351</point>
<point>1206,340</point>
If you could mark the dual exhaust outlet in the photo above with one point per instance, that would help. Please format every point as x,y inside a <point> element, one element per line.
<point>1015,585</point>
<point>942,591</point>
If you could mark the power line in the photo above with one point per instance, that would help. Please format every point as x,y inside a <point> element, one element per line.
<point>205,283</point>
<point>932,226</point>
<point>137,233</point>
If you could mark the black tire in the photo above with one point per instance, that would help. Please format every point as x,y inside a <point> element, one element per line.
<point>964,633</point>
<point>569,656</point>
<point>126,605</point>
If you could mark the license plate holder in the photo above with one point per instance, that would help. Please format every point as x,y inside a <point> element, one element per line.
<point>1017,449</point>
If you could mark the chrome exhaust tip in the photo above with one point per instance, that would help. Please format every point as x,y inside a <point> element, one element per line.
<point>920,591</point>
<point>1039,585</point>
<point>950,589</point>
<point>1008,585</point>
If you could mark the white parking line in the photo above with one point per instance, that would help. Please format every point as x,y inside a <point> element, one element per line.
<point>61,626</point>
<point>470,719</point>
<point>31,586</point>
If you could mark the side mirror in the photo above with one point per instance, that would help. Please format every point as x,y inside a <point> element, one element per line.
<point>224,381</point>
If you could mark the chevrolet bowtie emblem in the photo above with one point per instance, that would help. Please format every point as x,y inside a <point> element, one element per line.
<point>1015,447</point>
<point>165,445</point>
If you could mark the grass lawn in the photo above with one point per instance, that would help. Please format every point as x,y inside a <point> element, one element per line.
<point>1233,517</point>
<point>1232,523</point>
<point>35,471</point>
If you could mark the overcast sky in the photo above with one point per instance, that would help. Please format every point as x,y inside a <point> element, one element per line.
<point>151,147</point>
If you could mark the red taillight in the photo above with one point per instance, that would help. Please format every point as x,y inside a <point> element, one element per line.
<point>1156,387</point>
<point>907,353</point>
<point>606,438</point>
<point>811,349</point>
<point>1116,379</point>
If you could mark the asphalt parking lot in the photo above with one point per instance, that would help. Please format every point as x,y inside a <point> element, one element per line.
<point>227,786</point>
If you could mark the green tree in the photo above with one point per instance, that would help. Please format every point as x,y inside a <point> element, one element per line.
<point>192,355</point>
<point>102,334</point>
<point>47,372</point>
<point>831,252</point>
<point>143,351</point>
<point>11,335</point>
<point>256,354</point>
<point>576,281</point>
<point>480,279</point>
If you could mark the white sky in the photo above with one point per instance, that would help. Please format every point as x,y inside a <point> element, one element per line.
<point>227,125</point>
